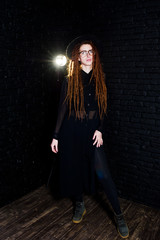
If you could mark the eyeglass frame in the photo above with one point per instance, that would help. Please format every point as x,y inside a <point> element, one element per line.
<point>90,52</point>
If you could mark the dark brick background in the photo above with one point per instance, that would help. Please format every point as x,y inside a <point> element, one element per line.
<point>32,32</point>
<point>133,77</point>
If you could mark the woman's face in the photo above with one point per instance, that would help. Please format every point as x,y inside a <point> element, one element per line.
<point>86,55</point>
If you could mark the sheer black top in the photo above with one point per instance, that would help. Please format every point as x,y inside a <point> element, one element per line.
<point>90,104</point>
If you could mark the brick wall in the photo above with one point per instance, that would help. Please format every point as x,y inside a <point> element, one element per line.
<point>23,105</point>
<point>133,124</point>
<point>33,31</point>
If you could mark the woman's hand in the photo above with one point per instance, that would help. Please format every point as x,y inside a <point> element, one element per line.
<point>54,145</point>
<point>97,137</point>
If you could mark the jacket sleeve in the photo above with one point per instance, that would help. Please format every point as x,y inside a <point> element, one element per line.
<point>62,109</point>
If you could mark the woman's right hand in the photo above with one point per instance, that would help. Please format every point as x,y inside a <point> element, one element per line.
<point>54,145</point>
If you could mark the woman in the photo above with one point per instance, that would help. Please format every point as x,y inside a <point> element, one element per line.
<point>78,132</point>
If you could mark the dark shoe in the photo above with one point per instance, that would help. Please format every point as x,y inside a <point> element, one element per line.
<point>79,212</point>
<point>122,226</point>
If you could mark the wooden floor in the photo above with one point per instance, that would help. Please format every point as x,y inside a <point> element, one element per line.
<point>38,216</point>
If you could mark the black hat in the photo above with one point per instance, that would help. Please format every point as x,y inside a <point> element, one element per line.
<point>81,39</point>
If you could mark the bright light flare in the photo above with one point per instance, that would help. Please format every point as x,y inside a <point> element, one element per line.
<point>60,60</point>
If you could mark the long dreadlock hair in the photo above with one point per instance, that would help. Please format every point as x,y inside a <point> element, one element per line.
<point>75,86</point>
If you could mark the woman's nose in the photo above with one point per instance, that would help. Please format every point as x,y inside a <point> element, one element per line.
<point>88,54</point>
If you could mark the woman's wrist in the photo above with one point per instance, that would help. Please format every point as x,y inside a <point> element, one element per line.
<point>55,136</point>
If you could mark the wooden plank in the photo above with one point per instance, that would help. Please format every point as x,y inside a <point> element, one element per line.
<point>16,208</point>
<point>38,216</point>
<point>60,228</point>
<point>31,224</point>
<point>19,218</point>
<point>145,224</point>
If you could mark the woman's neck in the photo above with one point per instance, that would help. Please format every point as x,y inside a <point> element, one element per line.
<point>86,69</point>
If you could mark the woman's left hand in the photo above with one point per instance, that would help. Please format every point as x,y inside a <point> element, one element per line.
<point>97,137</point>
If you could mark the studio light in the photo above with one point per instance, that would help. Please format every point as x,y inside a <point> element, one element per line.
<point>60,60</point>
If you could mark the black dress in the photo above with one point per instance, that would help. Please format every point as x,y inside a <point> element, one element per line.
<point>75,144</point>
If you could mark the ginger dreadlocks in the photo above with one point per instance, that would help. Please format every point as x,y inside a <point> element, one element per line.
<point>75,86</point>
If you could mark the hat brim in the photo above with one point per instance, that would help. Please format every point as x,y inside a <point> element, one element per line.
<point>81,39</point>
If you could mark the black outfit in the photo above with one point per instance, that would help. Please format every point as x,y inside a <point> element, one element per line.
<point>79,159</point>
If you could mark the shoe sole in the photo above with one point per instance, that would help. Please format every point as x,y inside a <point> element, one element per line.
<point>78,221</point>
<point>123,236</point>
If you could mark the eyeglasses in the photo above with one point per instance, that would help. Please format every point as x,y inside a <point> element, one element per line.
<point>85,53</point>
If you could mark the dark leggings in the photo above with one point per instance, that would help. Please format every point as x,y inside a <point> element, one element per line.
<point>103,174</point>
<point>104,177</point>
